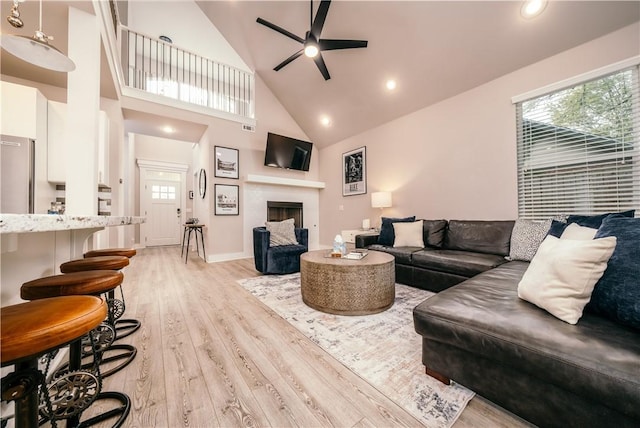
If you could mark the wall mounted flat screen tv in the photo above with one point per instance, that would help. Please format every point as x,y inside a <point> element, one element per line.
<point>287,152</point>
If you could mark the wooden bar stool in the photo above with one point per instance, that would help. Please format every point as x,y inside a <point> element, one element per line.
<point>32,329</point>
<point>124,327</point>
<point>94,283</point>
<point>123,252</point>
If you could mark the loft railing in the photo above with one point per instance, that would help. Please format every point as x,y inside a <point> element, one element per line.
<point>159,67</point>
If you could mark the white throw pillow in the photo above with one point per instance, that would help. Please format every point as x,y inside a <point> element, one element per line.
<point>563,273</point>
<point>408,234</point>
<point>282,232</point>
<point>575,231</point>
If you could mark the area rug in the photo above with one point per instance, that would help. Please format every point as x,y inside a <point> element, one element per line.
<point>382,348</point>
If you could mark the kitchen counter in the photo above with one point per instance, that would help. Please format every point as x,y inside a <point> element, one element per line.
<point>34,245</point>
<point>26,223</point>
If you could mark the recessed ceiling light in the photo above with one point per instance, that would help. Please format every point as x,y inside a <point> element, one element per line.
<point>532,8</point>
<point>325,120</point>
<point>391,84</point>
<point>167,129</point>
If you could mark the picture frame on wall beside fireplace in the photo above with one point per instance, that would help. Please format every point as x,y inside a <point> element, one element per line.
<point>227,163</point>
<point>354,172</point>
<point>226,199</point>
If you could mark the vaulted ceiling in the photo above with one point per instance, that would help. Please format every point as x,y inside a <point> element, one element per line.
<point>433,49</point>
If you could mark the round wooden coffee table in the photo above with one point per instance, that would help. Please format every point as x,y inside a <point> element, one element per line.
<point>348,287</point>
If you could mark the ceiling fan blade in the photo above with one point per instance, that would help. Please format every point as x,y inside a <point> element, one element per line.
<point>280,30</point>
<point>333,44</point>
<point>322,66</point>
<point>288,60</point>
<point>321,15</point>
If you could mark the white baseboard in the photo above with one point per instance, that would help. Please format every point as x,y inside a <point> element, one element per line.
<point>226,257</point>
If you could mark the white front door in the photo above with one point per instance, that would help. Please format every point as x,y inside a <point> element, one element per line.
<point>164,217</point>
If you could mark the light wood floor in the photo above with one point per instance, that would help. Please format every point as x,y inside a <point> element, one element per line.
<point>210,354</point>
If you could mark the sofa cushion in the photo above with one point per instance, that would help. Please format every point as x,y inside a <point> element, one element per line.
<point>596,358</point>
<point>526,237</point>
<point>594,221</point>
<point>284,259</point>
<point>408,234</point>
<point>491,237</point>
<point>433,232</point>
<point>387,235</point>
<point>557,228</point>
<point>282,232</point>
<point>401,254</point>
<point>463,263</point>
<point>563,272</point>
<point>617,294</point>
<point>577,232</point>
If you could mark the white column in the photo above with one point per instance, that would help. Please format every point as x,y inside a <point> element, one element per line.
<point>83,104</point>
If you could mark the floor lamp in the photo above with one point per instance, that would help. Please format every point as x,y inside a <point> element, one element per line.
<point>381,200</point>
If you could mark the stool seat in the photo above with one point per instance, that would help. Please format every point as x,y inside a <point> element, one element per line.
<point>95,263</point>
<point>93,282</point>
<point>34,328</point>
<point>126,252</point>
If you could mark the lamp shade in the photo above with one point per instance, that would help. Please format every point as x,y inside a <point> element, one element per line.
<point>36,51</point>
<point>381,199</point>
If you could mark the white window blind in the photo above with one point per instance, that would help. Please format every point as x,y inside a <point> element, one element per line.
<point>579,150</point>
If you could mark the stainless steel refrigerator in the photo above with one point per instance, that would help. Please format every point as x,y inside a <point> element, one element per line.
<point>17,174</point>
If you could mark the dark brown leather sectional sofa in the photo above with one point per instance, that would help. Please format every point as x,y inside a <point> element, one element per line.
<point>477,332</point>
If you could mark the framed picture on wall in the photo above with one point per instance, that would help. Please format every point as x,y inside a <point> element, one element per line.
<point>354,172</point>
<point>227,200</point>
<point>227,165</point>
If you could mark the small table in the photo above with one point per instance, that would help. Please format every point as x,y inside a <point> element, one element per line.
<point>348,287</point>
<point>188,229</point>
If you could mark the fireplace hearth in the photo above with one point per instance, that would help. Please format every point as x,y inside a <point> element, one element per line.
<point>278,211</point>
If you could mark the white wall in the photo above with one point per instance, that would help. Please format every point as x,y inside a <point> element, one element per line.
<point>187,26</point>
<point>455,159</point>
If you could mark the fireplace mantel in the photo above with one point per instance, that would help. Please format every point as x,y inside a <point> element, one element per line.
<point>266,179</point>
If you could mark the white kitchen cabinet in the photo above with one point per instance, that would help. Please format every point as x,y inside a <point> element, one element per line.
<point>20,110</point>
<point>57,162</point>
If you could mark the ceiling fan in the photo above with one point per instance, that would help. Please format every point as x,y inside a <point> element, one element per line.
<point>313,45</point>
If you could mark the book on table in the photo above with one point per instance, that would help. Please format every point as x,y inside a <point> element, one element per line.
<point>355,254</point>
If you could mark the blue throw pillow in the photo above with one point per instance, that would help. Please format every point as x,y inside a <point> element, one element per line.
<point>617,294</point>
<point>557,227</point>
<point>594,221</point>
<point>387,235</point>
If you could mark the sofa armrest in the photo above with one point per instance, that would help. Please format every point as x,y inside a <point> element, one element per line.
<point>363,241</point>
<point>302,236</point>
<point>261,239</point>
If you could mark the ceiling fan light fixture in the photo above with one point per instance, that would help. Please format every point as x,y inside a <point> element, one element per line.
<point>311,49</point>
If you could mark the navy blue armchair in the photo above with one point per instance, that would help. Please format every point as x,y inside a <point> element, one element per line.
<point>281,259</point>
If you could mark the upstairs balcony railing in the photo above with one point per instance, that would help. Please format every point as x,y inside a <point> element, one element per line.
<point>159,67</point>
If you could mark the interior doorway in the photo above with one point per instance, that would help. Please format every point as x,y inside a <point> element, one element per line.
<point>162,202</point>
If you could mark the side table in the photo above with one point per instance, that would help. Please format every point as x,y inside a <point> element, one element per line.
<point>186,235</point>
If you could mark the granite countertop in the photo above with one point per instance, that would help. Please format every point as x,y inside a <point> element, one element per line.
<point>25,223</point>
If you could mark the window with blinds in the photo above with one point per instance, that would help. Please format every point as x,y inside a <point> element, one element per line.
<point>579,150</point>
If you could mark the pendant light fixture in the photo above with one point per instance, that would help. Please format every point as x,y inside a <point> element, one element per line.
<point>35,50</point>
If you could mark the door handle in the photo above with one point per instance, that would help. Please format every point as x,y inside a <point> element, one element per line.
<point>178,212</point>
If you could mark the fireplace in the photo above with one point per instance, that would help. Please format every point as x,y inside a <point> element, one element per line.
<point>278,211</point>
